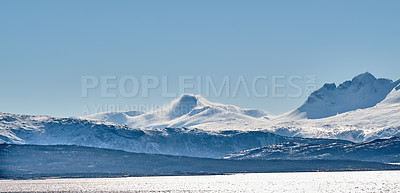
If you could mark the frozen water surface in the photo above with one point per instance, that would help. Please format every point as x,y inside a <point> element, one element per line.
<point>370,181</point>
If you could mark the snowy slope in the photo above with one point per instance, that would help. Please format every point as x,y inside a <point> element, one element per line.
<point>363,91</point>
<point>115,117</point>
<point>379,121</point>
<point>190,111</point>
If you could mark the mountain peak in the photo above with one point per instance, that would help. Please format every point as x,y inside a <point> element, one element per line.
<point>364,77</point>
<point>188,98</point>
<point>185,103</point>
<point>363,91</point>
<point>329,86</point>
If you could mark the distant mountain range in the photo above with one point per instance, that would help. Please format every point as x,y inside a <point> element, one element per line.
<point>329,125</point>
<point>361,109</point>
<point>42,130</point>
<point>202,118</point>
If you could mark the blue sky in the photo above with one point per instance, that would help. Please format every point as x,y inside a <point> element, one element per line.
<point>47,46</point>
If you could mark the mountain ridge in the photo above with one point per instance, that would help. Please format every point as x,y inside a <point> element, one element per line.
<point>197,114</point>
<point>373,113</point>
<point>363,91</point>
<point>186,111</point>
<point>45,130</point>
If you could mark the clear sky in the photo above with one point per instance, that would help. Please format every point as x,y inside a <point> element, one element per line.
<point>47,46</point>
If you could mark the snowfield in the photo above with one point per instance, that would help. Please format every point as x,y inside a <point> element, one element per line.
<point>370,181</point>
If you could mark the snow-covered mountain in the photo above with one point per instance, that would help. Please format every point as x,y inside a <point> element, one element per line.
<point>45,130</point>
<point>209,129</point>
<point>361,109</point>
<point>377,116</point>
<point>363,91</point>
<point>379,121</point>
<point>187,111</point>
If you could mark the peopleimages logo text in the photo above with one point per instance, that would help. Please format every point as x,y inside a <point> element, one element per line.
<point>129,86</point>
